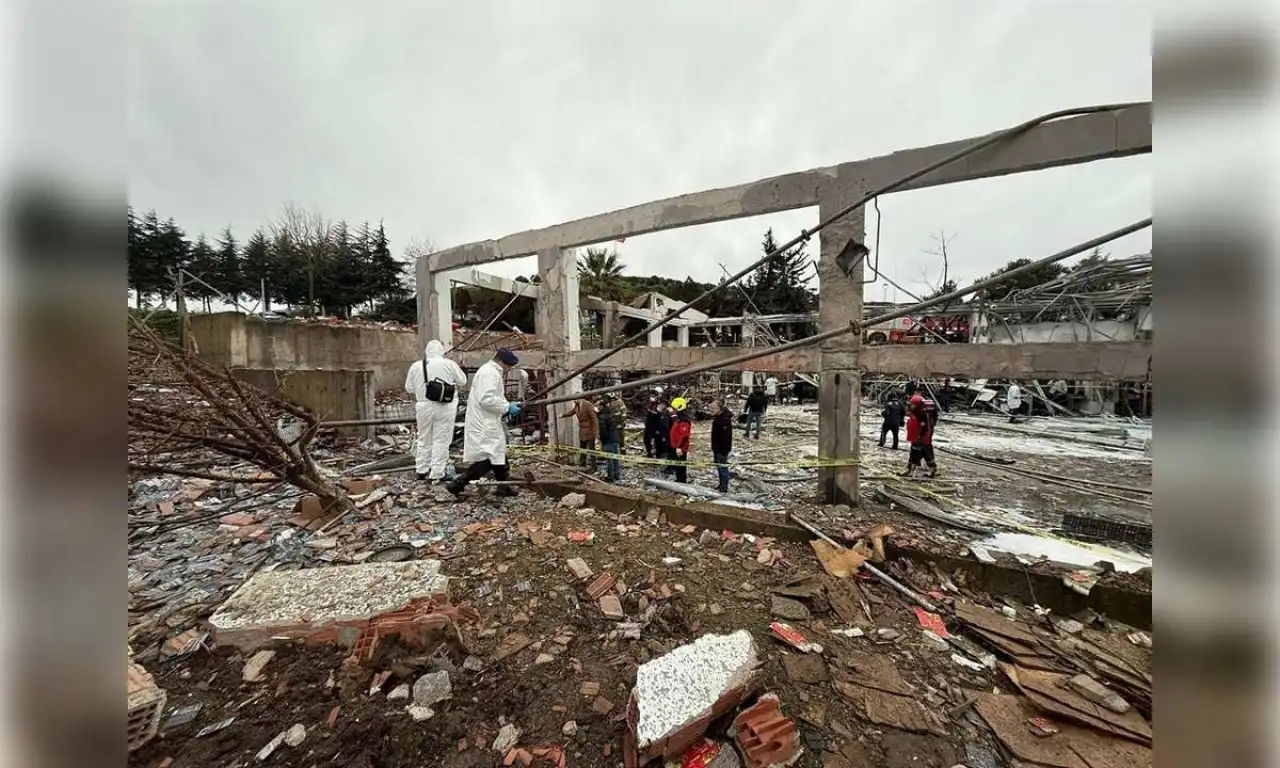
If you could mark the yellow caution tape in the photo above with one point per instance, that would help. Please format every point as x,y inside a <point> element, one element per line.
<point>626,459</point>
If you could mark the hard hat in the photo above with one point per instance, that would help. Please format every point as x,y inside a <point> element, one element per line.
<point>917,400</point>
<point>679,403</point>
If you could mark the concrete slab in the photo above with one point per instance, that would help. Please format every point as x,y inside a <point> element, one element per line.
<point>298,604</point>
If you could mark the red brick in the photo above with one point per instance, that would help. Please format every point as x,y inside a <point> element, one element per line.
<point>600,586</point>
<point>766,737</point>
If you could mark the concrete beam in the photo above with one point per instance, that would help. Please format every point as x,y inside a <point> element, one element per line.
<point>1080,361</point>
<point>1069,141</point>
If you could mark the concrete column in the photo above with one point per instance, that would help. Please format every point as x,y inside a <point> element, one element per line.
<point>748,340</point>
<point>609,325</point>
<point>435,304</point>
<point>682,335</point>
<point>839,303</point>
<point>559,326</point>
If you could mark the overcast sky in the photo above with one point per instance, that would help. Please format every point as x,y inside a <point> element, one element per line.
<point>455,122</point>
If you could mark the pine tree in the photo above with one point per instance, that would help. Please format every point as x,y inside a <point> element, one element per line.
<point>257,266</point>
<point>146,275</point>
<point>171,252</point>
<point>780,286</point>
<point>203,266</point>
<point>228,276</point>
<point>386,273</point>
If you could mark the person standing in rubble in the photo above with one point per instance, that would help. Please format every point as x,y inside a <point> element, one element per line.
<point>484,445</point>
<point>757,404</point>
<point>920,436</point>
<point>588,430</point>
<point>612,416</point>
<point>655,432</point>
<point>1013,399</point>
<point>681,436</point>
<point>434,382</point>
<point>721,442</point>
<point>771,389</point>
<point>891,419</point>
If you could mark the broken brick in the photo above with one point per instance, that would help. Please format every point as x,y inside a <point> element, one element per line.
<point>611,607</point>
<point>165,507</point>
<point>589,688</point>
<point>600,586</point>
<point>237,519</point>
<point>601,706</point>
<point>765,736</point>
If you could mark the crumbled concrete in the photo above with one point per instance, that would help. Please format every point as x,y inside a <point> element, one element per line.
<point>1098,693</point>
<point>295,735</point>
<point>420,713</point>
<point>432,688</point>
<point>399,692</point>
<point>676,688</point>
<point>579,568</point>
<point>573,500</point>
<point>318,596</point>
<point>507,738</point>
<point>786,608</point>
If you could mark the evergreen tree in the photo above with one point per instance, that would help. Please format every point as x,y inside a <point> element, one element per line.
<point>228,275</point>
<point>344,278</point>
<point>204,266</point>
<point>386,273</point>
<point>257,266</point>
<point>1031,279</point>
<point>171,252</point>
<point>780,286</point>
<point>146,276</point>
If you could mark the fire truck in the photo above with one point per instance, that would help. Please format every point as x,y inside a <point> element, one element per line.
<point>952,326</point>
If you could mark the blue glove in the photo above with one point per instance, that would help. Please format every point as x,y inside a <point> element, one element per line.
<point>513,410</point>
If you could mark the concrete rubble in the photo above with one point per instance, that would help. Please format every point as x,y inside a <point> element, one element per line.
<point>647,640</point>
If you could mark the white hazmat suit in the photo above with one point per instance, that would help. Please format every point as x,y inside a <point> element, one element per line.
<point>485,438</point>
<point>435,419</point>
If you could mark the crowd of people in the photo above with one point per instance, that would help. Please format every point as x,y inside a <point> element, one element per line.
<point>436,381</point>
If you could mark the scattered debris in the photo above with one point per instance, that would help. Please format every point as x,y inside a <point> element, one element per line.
<point>432,688</point>
<point>253,667</point>
<point>786,608</point>
<point>766,737</point>
<point>573,500</point>
<point>792,637</point>
<point>611,607</point>
<point>507,738</point>
<point>579,567</point>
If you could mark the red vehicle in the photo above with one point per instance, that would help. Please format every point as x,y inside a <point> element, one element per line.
<point>905,330</point>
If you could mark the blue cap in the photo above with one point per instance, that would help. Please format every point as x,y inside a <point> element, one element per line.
<point>507,357</point>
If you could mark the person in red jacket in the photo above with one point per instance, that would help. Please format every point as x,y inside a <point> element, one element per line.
<point>920,437</point>
<point>681,434</point>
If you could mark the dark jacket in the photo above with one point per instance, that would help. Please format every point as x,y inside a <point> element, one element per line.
<point>757,402</point>
<point>657,426</point>
<point>722,432</point>
<point>610,426</point>
<point>893,413</point>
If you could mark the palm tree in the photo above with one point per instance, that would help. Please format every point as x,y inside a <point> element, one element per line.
<point>600,274</point>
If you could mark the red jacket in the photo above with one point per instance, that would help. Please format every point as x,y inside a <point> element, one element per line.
<point>681,432</point>
<point>918,430</point>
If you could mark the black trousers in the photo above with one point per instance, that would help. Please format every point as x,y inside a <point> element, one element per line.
<point>885,429</point>
<point>921,451</point>
<point>681,469</point>
<point>587,459</point>
<point>479,470</point>
<point>671,456</point>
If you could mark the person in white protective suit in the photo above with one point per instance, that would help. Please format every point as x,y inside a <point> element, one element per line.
<point>434,382</point>
<point>484,446</point>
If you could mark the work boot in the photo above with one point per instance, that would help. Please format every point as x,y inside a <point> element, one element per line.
<point>454,489</point>
<point>933,470</point>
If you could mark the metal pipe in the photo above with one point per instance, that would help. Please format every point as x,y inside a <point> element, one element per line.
<point>805,235</point>
<point>853,327</point>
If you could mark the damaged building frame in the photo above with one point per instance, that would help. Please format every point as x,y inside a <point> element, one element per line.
<point>841,362</point>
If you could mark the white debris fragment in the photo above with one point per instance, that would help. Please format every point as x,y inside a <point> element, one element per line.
<point>508,737</point>
<point>253,667</point>
<point>1009,613</point>
<point>570,728</point>
<point>981,553</point>
<point>677,687</point>
<point>850,632</point>
<point>432,688</point>
<point>967,663</point>
<point>1140,639</point>
<point>420,713</point>
<point>399,692</point>
<point>295,735</point>
<point>573,500</point>
<point>935,642</point>
<point>670,560</point>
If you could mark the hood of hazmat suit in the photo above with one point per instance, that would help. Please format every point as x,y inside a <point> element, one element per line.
<point>434,349</point>
<point>486,436</point>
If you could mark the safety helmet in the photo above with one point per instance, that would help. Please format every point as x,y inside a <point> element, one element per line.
<point>679,403</point>
<point>916,400</point>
